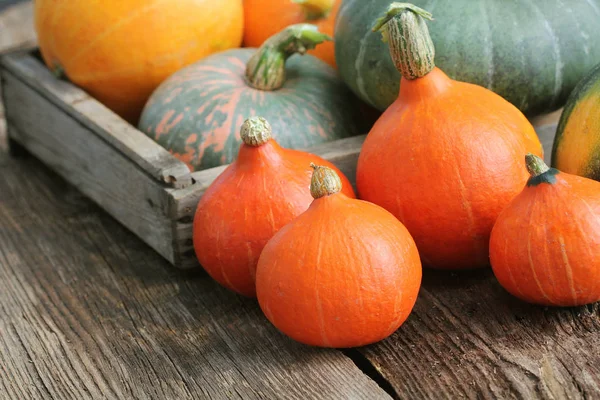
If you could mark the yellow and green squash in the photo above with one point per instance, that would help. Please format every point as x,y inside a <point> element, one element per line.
<point>576,147</point>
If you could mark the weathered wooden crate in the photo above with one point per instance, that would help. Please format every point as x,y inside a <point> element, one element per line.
<point>134,179</point>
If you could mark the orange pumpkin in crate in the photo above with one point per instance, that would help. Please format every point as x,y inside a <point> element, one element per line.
<point>120,51</point>
<point>264,18</point>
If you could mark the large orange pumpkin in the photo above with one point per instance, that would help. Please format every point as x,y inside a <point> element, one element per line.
<point>121,50</point>
<point>445,158</point>
<point>345,273</point>
<point>264,18</point>
<point>545,246</point>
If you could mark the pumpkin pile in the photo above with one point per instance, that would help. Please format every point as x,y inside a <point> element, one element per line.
<point>450,175</point>
<point>195,113</point>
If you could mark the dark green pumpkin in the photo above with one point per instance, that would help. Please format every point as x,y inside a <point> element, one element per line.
<point>576,147</point>
<point>196,114</point>
<point>531,52</point>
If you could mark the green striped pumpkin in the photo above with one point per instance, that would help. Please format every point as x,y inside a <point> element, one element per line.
<point>531,52</point>
<point>196,114</point>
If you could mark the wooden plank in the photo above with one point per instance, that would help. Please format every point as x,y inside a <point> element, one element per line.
<point>546,134</point>
<point>16,27</point>
<point>547,119</point>
<point>16,32</point>
<point>99,120</point>
<point>91,164</point>
<point>3,138</point>
<point>88,312</point>
<point>468,338</point>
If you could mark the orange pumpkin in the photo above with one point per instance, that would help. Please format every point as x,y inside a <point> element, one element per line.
<point>545,246</point>
<point>120,51</point>
<point>445,157</point>
<point>264,189</point>
<point>345,273</point>
<point>264,18</point>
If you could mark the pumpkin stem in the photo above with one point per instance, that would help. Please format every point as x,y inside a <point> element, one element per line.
<point>316,9</point>
<point>539,171</point>
<point>266,68</point>
<point>324,182</point>
<point>255,131</point>
<point>403,26</point>
<point>58,71</point>
<point>535,165</point>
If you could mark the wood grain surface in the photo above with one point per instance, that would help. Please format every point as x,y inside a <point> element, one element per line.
<point>103,174</point>
<point>16,26</point>
<point>94,118</point>
<point>468,338</point>
<point>16,32</point>
<point>89,312</point>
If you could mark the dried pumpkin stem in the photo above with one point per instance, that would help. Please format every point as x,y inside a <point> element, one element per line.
<point>316,9</point>
<point>255,131</point>
<point>535,165</point>
<point>324,182</point>
<point>266,68</point>
<point>404,27</point>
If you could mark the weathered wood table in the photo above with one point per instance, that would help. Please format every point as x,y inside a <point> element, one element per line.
<point>88,311</point>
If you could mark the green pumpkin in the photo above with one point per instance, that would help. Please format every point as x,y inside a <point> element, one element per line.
<point>576,147</point>
<point>530,52</point>
<point>196,113</point>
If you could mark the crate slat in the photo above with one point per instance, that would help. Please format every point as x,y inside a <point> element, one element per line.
<point>91,164</point>
<point>101,121</point>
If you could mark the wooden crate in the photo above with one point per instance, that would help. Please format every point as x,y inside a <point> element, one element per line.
<point>130,176</point>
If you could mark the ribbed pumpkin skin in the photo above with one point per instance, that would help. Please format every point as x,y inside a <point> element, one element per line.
<point>264,18</point>
<point>196,113</point>
<point>120,51</point>
<point>263,190</point>
<point>544,247</point>
<point>531,52</point>
<point>577,143</point>
<point>445,159</point>
<point>343,274</point>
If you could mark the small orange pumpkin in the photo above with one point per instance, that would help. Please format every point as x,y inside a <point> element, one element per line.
<point>264,18</point>
<point>345,273</point>
<point>120,51</point>
<point>262,190</point>
<point>445,157</point>
<point>545,246</point>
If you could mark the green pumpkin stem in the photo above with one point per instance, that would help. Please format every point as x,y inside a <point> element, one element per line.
<point>255,131</point>
<point>266,68</point>
<point>539,171</point>
<point>404,27</point>
<point>58,71</point>
<point>535,165</point>
<point>324,182</point>
<point>316,9</point>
